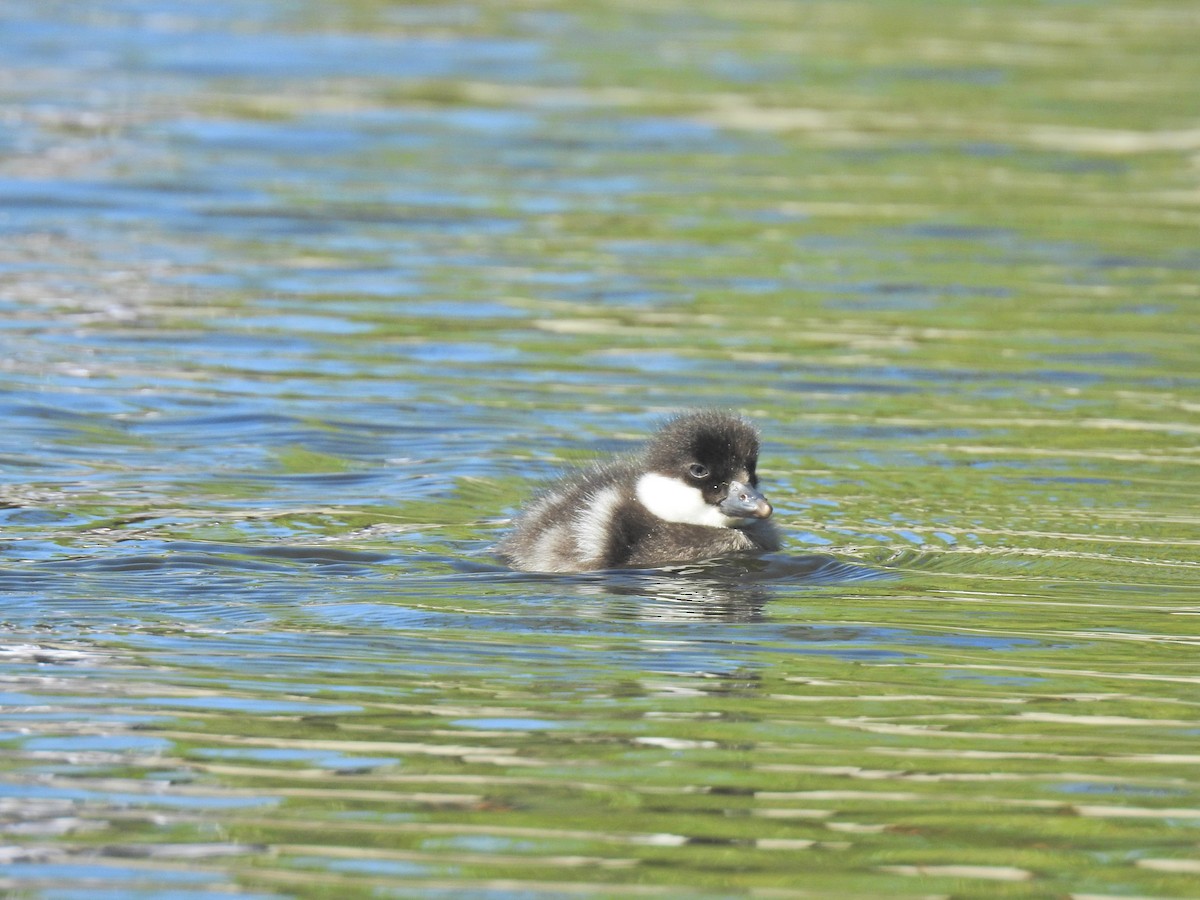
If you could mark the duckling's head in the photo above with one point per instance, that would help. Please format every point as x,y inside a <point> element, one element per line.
<point>699,469</point>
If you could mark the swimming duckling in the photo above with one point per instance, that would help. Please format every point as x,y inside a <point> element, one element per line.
<point>690,494</point>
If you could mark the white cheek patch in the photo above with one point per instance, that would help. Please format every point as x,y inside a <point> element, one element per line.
<point>673,501</point>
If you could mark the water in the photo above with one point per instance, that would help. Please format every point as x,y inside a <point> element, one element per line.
<point>298,301</point>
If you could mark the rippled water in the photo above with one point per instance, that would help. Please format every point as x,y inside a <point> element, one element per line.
<point>298,301</point>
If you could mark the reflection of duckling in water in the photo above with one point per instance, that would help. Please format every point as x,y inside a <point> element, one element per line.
<point>690,494</point>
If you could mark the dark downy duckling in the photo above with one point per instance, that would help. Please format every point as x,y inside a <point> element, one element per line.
<point>690,494</point>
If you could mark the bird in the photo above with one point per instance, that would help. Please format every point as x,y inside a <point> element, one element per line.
<point>691,493</point>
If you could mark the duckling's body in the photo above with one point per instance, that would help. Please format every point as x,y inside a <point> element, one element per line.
<point>690,494</point>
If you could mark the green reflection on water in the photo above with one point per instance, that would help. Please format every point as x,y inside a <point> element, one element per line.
<point>944,254</point>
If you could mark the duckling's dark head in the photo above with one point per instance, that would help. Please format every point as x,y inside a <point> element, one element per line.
<point>700,469</point>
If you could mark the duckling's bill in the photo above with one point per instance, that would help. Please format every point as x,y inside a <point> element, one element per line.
<point>745,502</point>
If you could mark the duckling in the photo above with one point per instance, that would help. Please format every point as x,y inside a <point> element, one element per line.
<point>691,493</point>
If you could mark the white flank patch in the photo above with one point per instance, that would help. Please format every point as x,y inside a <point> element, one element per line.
<point>673,501</point>
<point>543,554</point>
<point>593,522</point>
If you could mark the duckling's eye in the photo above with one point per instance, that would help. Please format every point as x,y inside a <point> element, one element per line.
<point>698,471</point>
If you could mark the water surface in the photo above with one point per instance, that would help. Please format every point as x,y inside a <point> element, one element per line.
<point>298,301</point>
